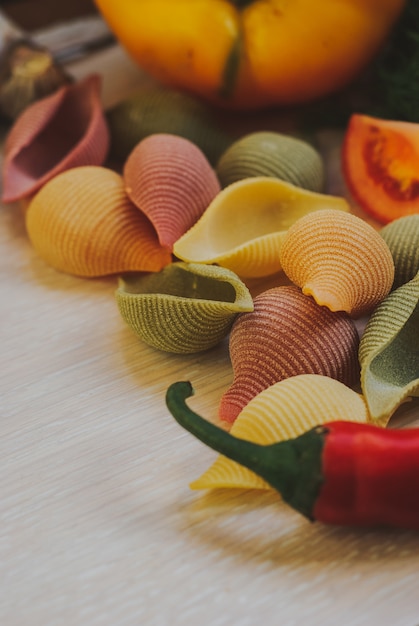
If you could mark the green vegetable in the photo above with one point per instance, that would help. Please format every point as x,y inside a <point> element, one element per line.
<point>397,70</point>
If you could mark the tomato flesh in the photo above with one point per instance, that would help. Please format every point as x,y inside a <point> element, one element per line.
<point>380,162</point>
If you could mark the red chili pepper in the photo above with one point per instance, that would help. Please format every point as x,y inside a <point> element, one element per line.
<point>339,473</point>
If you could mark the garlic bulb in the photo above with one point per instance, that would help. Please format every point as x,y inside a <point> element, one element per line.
<point>28,71</point>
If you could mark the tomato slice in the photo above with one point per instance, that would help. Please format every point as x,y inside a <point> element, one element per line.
<point>380,164</point>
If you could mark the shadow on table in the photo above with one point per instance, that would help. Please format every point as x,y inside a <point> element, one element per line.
<point>258,526</point>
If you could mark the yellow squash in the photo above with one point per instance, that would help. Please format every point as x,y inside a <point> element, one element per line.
<point>253,53</point>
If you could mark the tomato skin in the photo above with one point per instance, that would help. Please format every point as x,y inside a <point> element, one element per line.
<point>380,165</point>
<point>256,53</point>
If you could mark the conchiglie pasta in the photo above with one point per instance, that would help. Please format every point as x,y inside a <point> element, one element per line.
<point>389,352</point>
<point>244,226</point>
<point>64,130</point>
<point>184,308</point>
<point>82,222</point>
<point>172,183</point>
<point>339,260</point>
<point>402,238</point>
<point>272,154</point>
<point>282,411</point>
<point>287,334</point>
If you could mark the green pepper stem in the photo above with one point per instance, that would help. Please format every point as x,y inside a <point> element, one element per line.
<point>291,467</point>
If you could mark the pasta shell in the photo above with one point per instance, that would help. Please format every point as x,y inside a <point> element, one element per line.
<point>172,182</point>
<point>82,222</point>
<point>185,308</point>
<point>244,226</point>
<point>389,352</point>
<point>402,238</point>
<point>282,411</point>
<point>287,334</point>
<point>272,154</point>
<point>64,130</point>
<point>154,109</point>
<point>339,260</point>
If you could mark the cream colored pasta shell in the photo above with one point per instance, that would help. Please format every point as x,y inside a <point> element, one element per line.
<point>244,226</point>
<point>282,411</point>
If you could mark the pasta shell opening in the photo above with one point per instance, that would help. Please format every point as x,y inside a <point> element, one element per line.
<point>184,308</point>
<point>61,131</point>
<point>243,227</point>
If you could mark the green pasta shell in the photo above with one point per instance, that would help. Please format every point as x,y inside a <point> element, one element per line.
<point>183,309</point>
<point>389,352</point>
<point>402,237</point>
<point>151,110</point>
<point>272,154</point>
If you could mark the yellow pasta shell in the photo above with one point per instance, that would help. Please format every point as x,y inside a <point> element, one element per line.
<point>244,226</point>
<point>283,411</point>
<point>339,260</point>
<point>82,222</point>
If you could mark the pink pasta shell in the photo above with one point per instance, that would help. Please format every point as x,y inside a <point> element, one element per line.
<point>64,130</point>
<point>287,334</point>
<point>170,180</point>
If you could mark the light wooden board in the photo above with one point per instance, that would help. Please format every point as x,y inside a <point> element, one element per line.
<point>97,524</point>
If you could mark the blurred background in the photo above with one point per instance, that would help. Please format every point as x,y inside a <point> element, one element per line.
<point>32,15</point>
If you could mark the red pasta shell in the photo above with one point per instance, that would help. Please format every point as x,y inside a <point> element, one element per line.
<point>170,179</point>
<point>64,130</point>
<point>287,334</point>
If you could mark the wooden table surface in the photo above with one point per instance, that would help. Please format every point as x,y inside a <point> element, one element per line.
<point>98,524</point>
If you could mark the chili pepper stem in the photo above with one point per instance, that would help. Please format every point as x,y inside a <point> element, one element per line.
<point>291,467</point>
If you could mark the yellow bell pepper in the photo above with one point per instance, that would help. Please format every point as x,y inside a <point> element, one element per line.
<point>252,53</point>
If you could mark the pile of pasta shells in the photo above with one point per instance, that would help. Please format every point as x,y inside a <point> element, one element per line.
<point>189,220</point>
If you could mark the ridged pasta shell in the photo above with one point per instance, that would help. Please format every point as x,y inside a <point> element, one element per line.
<point>185,308</point>
<point>389,352</point>
<point>339,260</point>
<point>172,182</point>
<point>244,226</point>
<point>402,238</point>
<point>154,109</point>
<point>282,411</point>
<point>82,222</point>
<point>287,334</point>
<point>272,154</point>
<point>64,130</point>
